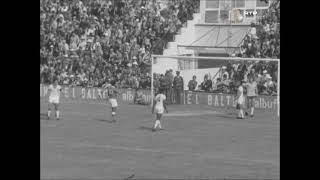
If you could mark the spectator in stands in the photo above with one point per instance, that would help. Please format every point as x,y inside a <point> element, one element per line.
<point>218,86</point>
<point>168,86</point>
<point>148,82</point>
<point>270,86</point>
<point>253,31</point>
<point>171,76</point>
<point>224,72</point>
<point>156,83</point>
<point>178,87</point>
<point>225,84</point>
<point>162,81</point>
<point>206,85</point>
<point>192,83</point>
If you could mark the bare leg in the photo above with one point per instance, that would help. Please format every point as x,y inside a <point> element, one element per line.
<point>113,114</point>
<point>49,111</point>
<point>157,123</point>
<point>56,106</point>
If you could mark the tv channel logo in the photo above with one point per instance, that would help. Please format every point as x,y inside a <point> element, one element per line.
<point>250,13</point>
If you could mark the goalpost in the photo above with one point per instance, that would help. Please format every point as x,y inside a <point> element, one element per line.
<point>196,65</point>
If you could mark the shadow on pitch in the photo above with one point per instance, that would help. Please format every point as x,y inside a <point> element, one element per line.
<point>227,116</point>
<point>145,128</point>
<point>129,177</point>
<point>103,120</point>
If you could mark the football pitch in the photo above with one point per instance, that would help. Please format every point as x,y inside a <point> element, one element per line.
<point>198,142</point>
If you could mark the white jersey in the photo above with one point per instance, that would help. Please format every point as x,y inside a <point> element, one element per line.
<point>159,100</point>
<point>240,95</point>
<point>159,103</point>
<point>55,91</point>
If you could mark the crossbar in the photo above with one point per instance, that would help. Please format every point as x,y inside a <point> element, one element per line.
<point>216,58</point>
<point>187,46</point>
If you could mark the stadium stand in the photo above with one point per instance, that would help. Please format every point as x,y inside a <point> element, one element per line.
<point>90,42</point>
<point>263,40</point>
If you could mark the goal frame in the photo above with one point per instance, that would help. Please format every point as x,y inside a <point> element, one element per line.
<point>217,58</point>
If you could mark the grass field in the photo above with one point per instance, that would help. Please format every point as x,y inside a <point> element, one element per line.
<point>198,142</point>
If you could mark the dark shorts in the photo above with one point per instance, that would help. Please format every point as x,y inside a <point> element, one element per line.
<point>250,100</point>
<point>239,106</point>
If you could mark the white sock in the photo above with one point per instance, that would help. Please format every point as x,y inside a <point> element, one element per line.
<point>156,124</point>
<point>49,112</point>
<point>57,113</point>
<point>241,113</point>
<point>252,110</point>
<point>160,125</point>
<point>114,115</point>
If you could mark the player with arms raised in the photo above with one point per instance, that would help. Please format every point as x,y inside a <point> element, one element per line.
<point>112,97</point>
<point>54,98</point>
<point>159,105</point>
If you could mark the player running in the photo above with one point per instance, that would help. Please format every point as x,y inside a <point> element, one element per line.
<point>252,92</point>
<point>54,98</point>
<point>112,96</point>
<point>159,105</point>
<point>240,100</point>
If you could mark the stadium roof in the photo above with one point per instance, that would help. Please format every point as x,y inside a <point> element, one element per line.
<point>216,36</point>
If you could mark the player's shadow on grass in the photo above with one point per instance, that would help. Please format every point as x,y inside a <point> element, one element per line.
<point>129,177</point>
<point>103,120</point>
<point>226,116</point>
<point>145,128</point>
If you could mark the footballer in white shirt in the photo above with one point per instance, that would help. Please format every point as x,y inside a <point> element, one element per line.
<point>54,98</point>
<point>240,100</point>
<point>159,106</point>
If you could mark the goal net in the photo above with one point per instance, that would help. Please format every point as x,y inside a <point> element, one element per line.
<point>213,81</point>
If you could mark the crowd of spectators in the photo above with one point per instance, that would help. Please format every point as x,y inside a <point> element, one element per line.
<point>263,72</point>
<point>90,42</point>
<point>229,77</point>
<point>263,39</point>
